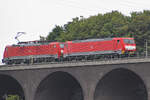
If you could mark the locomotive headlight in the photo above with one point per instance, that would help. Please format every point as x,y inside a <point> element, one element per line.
<point>62,51</point>
<point>130,47</point>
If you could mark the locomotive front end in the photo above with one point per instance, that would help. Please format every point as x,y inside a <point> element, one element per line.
<point>129,46</point>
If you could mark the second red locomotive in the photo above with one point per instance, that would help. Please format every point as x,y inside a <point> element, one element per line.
<point>38,51</point>
<point>99,47</point>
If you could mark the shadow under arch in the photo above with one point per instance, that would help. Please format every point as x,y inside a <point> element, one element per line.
<point>9,87</point>
<point>121,84</point>
<point>59,86</point>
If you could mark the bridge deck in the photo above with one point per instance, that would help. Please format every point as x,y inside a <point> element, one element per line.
<point>72,64</point>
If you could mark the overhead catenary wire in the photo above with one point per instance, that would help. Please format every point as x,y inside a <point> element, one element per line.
<point>137,4</point>
<point>96,7</point>
<point>77,5</point>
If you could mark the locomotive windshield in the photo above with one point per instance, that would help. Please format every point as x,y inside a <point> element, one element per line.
<point>61,45</point>
<point>129,41</point>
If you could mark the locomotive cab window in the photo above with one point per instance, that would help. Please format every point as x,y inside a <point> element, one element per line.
<point>6,49</point>
<point>118,41</point>
<point>129,41</point>
<point>61,45</point>
<point>54,45</point>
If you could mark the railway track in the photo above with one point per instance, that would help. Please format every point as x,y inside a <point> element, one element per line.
<point>82,62</point>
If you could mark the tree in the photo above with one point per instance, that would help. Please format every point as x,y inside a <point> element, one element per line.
<point>55,33</point>
<point>140,28</point>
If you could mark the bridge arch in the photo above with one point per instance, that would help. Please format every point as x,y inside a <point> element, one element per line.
<point>10,87</point>
<point>59,86</point>
<point>121,84</point>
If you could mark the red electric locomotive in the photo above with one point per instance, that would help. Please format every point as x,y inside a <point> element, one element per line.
<point>38,51</point>
<point>99,47</point>
<point>32,51</point>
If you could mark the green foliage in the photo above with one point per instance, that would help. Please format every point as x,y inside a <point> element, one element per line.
<point>13,97</point>
<point>113,24</point>
<point>140,28</point>
<point>42,38</point>
<point>56,32</point>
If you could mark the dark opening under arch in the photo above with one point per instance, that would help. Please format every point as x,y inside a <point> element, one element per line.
<point>10,87</point>
<point>59,86</point>
<point>121,84</point>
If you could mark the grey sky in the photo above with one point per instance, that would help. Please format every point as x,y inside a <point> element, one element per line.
<point>38,17</point>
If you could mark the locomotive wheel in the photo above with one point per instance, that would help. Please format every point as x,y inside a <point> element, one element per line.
<point>27,61</point>
<point>17,61</point>
<point>9,62</point>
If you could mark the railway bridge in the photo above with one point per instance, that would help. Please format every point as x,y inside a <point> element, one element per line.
<point>127,79</point>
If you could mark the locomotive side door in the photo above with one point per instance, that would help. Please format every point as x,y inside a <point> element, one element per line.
<point>117,46</point>
<point>52,50</point>
<point>62,49</point>
<point>55,50</point>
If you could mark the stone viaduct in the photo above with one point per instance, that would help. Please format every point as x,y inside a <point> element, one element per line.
<point>127,79</point>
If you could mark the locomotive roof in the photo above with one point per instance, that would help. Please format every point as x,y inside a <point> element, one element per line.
<point>90,40</point>
<point>35,43</point>
<point>32,43</point>
<point>103,39</point>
